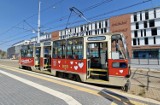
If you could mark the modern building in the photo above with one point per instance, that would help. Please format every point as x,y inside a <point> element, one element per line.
<point>94,28</point>
<point>145,31</point>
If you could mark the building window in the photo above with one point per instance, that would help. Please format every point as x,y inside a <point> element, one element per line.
<point>135,17</point>
<point>146,15</point>
<point>95,25</point>
<point>106,24</point>
<point>141,33</point>
<point>154,31</point>
<point>137,25</point>
<point>134,42</point>
<point>145,24</point>
<point>135,34</point>
<point>144,32</point>
<point>151,23</point>
<point>89,32</point>
<point>99,24</point>
<point>154,13</point>
<point>154,40</point>
<point>140,16</point>
<point>105,30</point>
<point>81,28</point>
<point>138,42</point>
<point>146,41</point>
<point>96,32</point>
<point>102,31</point>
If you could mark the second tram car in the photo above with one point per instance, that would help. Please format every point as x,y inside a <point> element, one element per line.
<point>98,59</point>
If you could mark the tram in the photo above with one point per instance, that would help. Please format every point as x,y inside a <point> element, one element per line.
<point>98,59</point>
<point>36,56</point>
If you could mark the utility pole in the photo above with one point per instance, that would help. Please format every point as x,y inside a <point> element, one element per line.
<point>39,22</point>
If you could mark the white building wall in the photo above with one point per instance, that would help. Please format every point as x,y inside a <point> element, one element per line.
<point>148,32</point>
<point>157,22</point>
<point>151,14</point>
<point>132,19</point>
<point>143,15</point>
<point>132,34</point>
<point>133,26</point>
<point>138,16</point>
<point>157,12</point>
<point>141,40</point>
<point>139,33</point>
<point>158,40</point>
<point>150,41</point>
<point>141,26</point>
<point>93,26</point>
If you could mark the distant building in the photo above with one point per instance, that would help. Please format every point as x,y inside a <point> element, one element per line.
<point>14,51</point>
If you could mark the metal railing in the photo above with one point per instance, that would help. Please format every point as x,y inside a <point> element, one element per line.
<point>148,61</point>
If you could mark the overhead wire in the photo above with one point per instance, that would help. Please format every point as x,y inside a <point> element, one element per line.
<point>35,14</point>
<point>103,14</point>
<point>106,13</point>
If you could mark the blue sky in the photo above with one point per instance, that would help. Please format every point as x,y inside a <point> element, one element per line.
<point>13,13</point>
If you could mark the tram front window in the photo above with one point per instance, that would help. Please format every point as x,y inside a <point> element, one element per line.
<point>97,53</point>
<point>118,49</point>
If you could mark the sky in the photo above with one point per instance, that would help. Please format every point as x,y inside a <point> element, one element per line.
<point>18,18</point>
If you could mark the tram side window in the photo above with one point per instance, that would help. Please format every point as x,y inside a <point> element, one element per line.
<point>59,49</point>
<point>29,51</point>
<point>75,49</point>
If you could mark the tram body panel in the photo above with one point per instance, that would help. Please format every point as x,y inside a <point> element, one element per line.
<point>25,61</point>
<point>118,67</point>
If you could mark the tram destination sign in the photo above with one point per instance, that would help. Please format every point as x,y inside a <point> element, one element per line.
<point>97,38</point>
<point>37,44</point>
<point>47,43</point>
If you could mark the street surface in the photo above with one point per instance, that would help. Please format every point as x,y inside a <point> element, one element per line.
<point>23,87</point>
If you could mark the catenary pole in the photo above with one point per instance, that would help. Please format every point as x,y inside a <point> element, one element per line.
<point>39,22</point>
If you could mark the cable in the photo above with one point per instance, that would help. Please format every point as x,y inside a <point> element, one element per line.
<point>84,10</point>
<point>110,12</point>
<point>1,34</point>
<point>107,13</point>
<point>15,39</point>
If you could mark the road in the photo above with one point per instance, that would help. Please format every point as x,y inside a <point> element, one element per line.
<point>22,87</point>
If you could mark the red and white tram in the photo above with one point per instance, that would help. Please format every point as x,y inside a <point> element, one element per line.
<point>98,59</point>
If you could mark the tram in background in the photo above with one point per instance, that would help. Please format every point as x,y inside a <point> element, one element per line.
<point>98,59</point>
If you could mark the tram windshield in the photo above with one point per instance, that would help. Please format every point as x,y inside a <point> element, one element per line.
<point>118,47</point>
<point>27,51</point>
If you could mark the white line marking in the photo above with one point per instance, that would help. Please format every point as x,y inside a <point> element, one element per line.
<point>68,99</point>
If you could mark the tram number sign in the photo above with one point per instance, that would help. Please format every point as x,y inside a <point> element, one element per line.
<point>97,38</point>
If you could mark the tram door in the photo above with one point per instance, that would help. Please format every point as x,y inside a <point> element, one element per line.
<point>47,57</point>
<point>97,57</point>
<point>37,56</point>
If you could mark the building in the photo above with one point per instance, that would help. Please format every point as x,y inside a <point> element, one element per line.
<point>145,31</point>
<point>94,28</point>
<point>14,51</point>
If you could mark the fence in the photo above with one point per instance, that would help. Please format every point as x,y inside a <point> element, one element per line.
<point>145,61</point>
